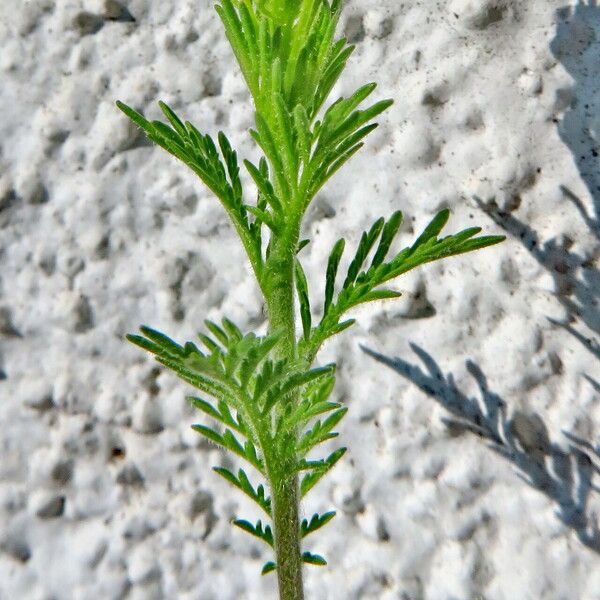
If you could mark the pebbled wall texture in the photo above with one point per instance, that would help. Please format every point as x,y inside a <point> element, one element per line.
<point>474,424</point>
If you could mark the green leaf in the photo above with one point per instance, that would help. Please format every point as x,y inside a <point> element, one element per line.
<point>359,285</point>
<point>313,402</point>
<point>268,567</point>
<point>271,373</point>
<point>206,383</point>
<point>209,433</point>
<point>342,108</point>
<point>332,267</point>
<point>320,432</point>
<point>135,116</point>
<point>302,289</point>
<point>266,140</point>
<point>387,237</point>
<point>166,344</point>
<point>333,131</point>
<point>233,444</point>
<point>317,521</point>
<point>358,118</point>
<point>211,367</point>
<point>232,329</point>
<point>249,28</point>
<point>226,416</point>
<point>331,74</point>
<point>318,408</point>
<point>433,229</point>
<point>217,332</point>
<point>256,355</point>
<point>210,344</point>
<point>364,247</point>
<point>222,414</point>
<point>199,153</point>
<point>286,134</point>
<point>303,133</point>
<point>205,407</point>
<point>313,559</point>
<point>263,533</point>
<point>233,170</point>
<point>238,41</point>
<point>428,248</point>
<point>243,483</point>
<point>143,343</point>
<point>170,140</point>
<point>297,379</point>
<point>201,371</point>
<point>378,295</point>
<point>173,119</point>
<point>190,348</point>
<point>328,170</point>
<point>265,217</point>
<point>350,141</point>
<point>302,244</point>
<point>307,557</point>
<point>264,186</point>
<point>481,242</point>
<point>341,327</point>
<point>229,442</point>
<point>311,479</point>
<point>308,465</point>
<point>339,135</point>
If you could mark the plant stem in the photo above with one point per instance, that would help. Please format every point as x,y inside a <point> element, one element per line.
<point>283,481</point>
<point>286,524</point>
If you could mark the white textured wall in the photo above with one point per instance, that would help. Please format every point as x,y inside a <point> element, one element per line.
<point>105,492</point>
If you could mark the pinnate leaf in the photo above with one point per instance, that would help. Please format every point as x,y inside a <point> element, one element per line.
<point>311,479</point>
<point>243,483</point>
<point>262,532</point>
<point>316,522</point>
<point>228,441</point>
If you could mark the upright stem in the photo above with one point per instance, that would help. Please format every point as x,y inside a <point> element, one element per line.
<point>286,522</point>
<point>285,491</point>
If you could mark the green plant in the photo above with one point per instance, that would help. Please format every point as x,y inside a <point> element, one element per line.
<point>273,405</point>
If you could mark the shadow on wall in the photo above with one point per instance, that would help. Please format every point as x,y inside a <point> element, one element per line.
<point>565,477</point>
<point>577,287</point>
<point>576,278</point>
<point>576,46</point>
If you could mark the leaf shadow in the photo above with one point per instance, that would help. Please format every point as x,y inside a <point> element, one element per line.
<point>575,276</point>
<point>574,45</point>
<point>565,477</point>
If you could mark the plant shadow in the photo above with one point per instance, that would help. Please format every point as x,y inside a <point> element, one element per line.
<point>576,277</point>
<point>575,47</point>
<point>566,478</point>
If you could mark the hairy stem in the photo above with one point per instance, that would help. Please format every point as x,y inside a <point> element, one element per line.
<point>278,285</point>
<point>286,522</point>
<point>285,487</point>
